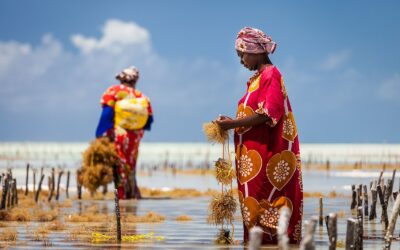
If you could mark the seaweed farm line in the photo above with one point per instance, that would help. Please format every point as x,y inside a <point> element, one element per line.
<point>90,222</point>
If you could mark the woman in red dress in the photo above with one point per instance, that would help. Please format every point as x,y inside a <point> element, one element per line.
<point>126,114</point>
<point>268,163</point>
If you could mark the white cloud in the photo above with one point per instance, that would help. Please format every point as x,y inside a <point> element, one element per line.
<point>335,60</point>
<point>390,89</point>
<point>49,82</point>
<point>116,35</point>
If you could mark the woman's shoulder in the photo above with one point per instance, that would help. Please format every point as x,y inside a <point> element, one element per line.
<point>270,73</point>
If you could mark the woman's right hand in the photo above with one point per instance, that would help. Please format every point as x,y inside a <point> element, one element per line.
<point>225,122</point>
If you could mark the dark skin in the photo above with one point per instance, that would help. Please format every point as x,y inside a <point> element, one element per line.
<point>131,84</point>
<point>252,62</point>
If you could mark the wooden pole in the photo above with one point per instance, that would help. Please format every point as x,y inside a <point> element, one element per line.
<point>359,195</point>
<point>365,191</point>
<point>332,230</point>
<point>372,215</point>
<point>78,185</point>
<point>53,184</point>
<point>66,192</point>
<point>388,192</point>
<point>118,216</point>
<point>307,243</point>
<point>283,240</point>
<point>321,212</point>
<point>27,180</point>
<point>353,197</point>
<point>392,223</point>
<point>360,231</point>
<point>352,234</point>
<point>34,179</point>
<point>384,216</point>
<point>380,175</point>
<point>16,192</point>
<point>58,184</point>
<point>39,188</point>
<point>4,194</point>
<point>255,238</point>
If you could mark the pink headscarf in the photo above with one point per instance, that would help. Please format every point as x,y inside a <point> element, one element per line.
<point>254,41</point>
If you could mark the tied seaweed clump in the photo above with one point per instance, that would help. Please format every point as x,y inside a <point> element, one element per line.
<point>224,172</point>
<point>222,209</point>
<point>214,132</point>
<point>97,165</point>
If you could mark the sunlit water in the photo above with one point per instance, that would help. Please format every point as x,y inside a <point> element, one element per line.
<point>197,234</point>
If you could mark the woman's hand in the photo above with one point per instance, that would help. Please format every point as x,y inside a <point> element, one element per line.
<point>225,122</point>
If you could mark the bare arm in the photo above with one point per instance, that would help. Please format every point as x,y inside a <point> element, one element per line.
<point>249,121</point>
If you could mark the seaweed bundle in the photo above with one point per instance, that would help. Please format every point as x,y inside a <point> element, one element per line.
<point>214,132</point>
<point>98,162</point>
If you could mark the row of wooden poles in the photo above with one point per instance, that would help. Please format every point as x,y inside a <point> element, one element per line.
<point>355,229</point>
<point>9,195</point>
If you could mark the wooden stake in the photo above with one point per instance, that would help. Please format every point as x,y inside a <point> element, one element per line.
<point>58,184</point>
<point>79,186</point>
<point>34,179</point>
<point>365,190</point>
<point>52,184</point>
<point>307,243</point>
<point>255,238</point>
<point>388,192</point>
<point>384,216</point>
<point>392,223</point>
<point>283,240</point>
<point>372,215</point>
<point>380,175</point>
<point>321,212</point>
<point>27,180</point>
<point>4,194</point>
<point>15,192</point>
<point>117,215</point>
<point>39,188</point>
<point>352,234</point>
<point>360,231</point>
<point>359,195</point>
<point>353,197</point>
<point>66,192</point>
<point>332,230</point>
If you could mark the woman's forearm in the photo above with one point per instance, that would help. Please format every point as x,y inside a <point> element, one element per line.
<point>248,121</point>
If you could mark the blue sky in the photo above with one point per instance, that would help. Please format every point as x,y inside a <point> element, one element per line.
<point>340,61</point>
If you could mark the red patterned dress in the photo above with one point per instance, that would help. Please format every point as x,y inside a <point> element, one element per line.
<point>126,141</point>
<point>268,163</point>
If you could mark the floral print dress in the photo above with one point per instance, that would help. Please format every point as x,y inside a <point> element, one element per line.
<point>126,141</point>
<point>268,163</point>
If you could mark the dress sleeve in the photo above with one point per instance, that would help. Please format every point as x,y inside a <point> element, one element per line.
<point>109,97</point>
<point>106,121</point>
<point>151,118</point>
<point>271,99</point>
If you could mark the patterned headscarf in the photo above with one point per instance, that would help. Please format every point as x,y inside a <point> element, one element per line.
<point>254,41</point>
<point>128,74</point>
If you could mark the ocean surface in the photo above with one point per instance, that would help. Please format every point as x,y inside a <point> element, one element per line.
<point>155,158</point>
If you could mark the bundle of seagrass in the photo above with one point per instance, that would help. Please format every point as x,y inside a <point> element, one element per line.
<point>98,162</point>
<point>224,172</point>
<point>222,207</point>
<point>214,132</point>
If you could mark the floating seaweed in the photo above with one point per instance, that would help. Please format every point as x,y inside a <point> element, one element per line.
<point>183,217</point>
<point>214,132</point>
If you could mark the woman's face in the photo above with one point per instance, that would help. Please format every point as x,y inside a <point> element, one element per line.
<point>251,61</point>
